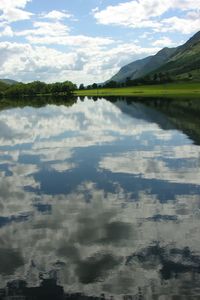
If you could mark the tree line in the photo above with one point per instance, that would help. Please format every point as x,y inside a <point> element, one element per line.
<point>36,88</point>
<point>156,78</point>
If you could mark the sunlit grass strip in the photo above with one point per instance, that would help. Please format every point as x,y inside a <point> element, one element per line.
<point>164,90</point>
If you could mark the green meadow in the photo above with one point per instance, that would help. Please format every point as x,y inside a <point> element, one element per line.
<point>163,90</point>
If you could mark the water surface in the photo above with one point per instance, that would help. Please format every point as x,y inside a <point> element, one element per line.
<point>103,196</point>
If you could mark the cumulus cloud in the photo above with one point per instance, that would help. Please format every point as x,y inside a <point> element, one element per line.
<point>32,62</point>
<point>132,13</point>
<point>184,25</point>
<point>13,11</point>
<point>83,57</point>
<point>6,32</point>
<point>51,33</point>
<point>91,228</point>
<point>91,58</point>
<point>150,165</point>
<point>56,15</point>
<point>46,29</point>
<point>163,42</point>
<point>103,237</point>
<point>146,14</point>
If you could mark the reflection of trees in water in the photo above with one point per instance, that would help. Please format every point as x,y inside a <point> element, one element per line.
<point>39,101</point>
<point>48,290</point>
<point>172,262</point>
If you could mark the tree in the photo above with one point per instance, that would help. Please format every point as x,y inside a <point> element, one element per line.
<point>81,87</point>
<point>155,77</point>
<point>40,88</point>
<point>94,86</point>
<point>111,84</point>
<point>128,81</point>
<point>189,75</point>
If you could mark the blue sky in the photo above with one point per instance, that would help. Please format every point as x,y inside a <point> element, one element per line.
<point>87,41</point>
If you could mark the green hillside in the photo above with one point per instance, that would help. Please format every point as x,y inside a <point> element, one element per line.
<point>181,63</point>
<point>155,62</point>
<point>142,67</point>
<point>185,63</point>
<point>8,81</point>
<point>3,87</point>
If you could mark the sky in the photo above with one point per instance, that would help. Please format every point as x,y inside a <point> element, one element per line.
<point>88,41</point>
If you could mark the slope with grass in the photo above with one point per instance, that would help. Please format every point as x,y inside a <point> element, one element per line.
<point>155,62</point>
<point>185,63</point>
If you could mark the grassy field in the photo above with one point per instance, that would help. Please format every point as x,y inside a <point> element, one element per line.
<point>164,90</point>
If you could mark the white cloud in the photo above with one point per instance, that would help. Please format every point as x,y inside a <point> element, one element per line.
<point>28,62</point>
<point>184,25</point>
<point>150,165</point>
<point>91,58</point>
<point>163,42</point>
<point>7,31</point>
<point>13,10</point>
<point>58,33</point>
<point>69,40</point>
<point>45,29</point>
<point>132,13</point>
<point>57,15</point>
<point>13,3</point>
<point>83,57</point>
<point>146,14</point>
<point>63,166</point>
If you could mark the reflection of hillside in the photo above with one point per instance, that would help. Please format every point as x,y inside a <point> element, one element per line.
<point>181,114</point>
<point>185,115</point>
<point>140,111</point>
<point>36,101</point>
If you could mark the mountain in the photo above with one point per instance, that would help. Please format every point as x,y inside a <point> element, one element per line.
<point>192,41</point>
<point>142,67</point>
<point>185,62</point>
<point>182,62</point>
<point>155,62</point>
<point>8,81</point>
<point>130,70</point>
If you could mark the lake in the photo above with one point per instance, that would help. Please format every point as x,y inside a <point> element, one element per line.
<point>100,197</point>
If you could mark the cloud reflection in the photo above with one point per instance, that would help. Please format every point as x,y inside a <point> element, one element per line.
<point>160,164</point>
<point>90,243</point>
<point>99,235</point>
